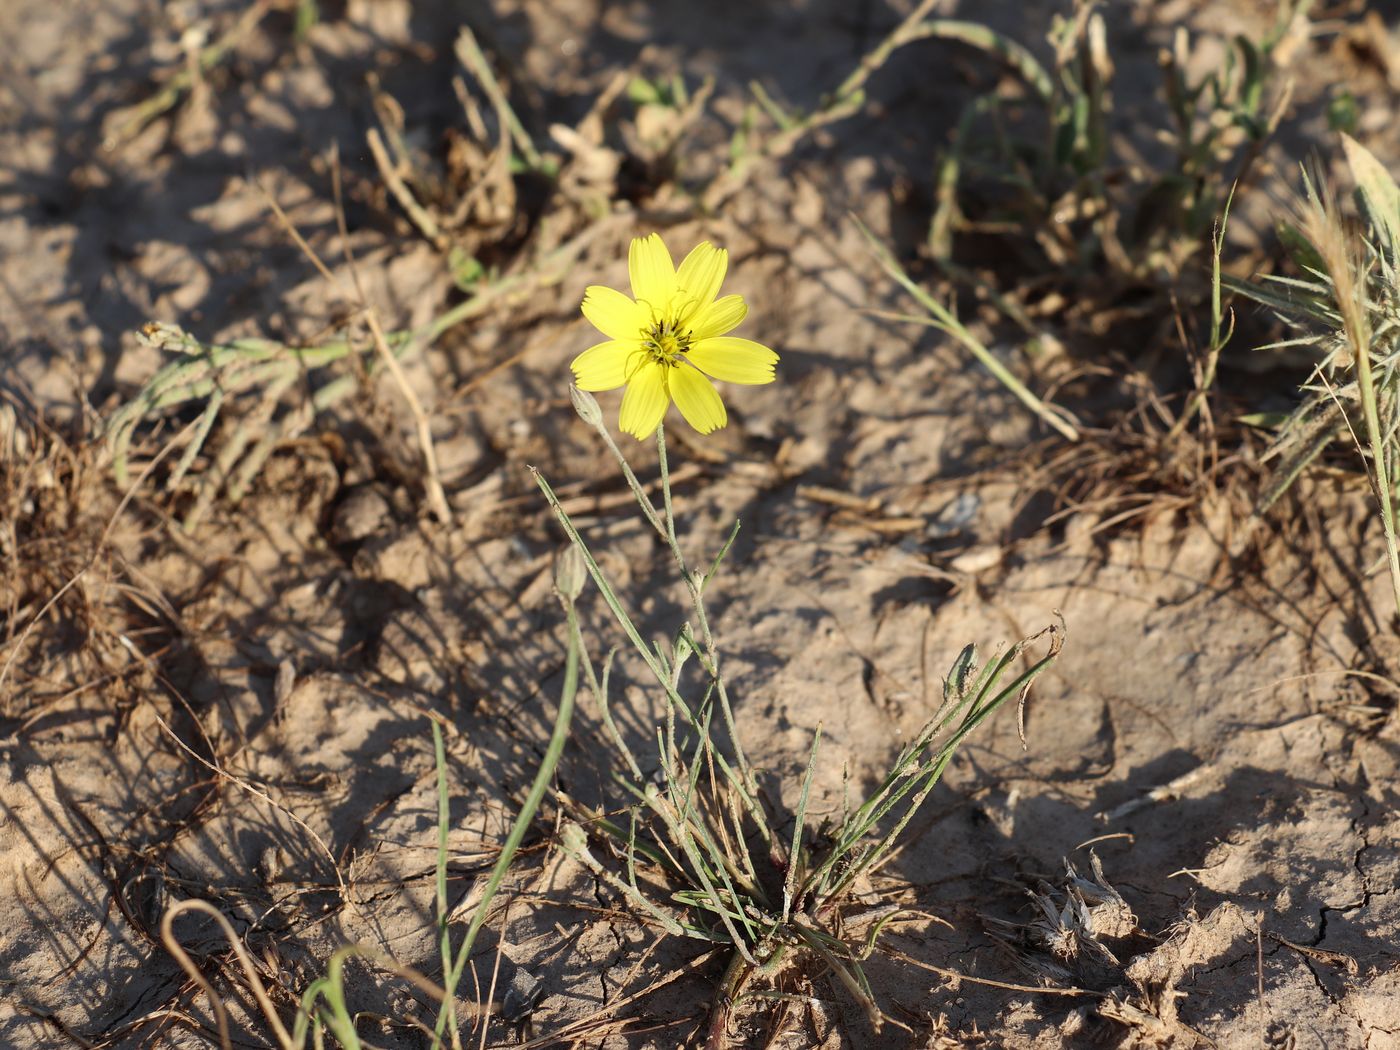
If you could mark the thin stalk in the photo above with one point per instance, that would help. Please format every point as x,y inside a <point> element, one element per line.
<point>643,500</point>
<point>600,694</point>
<point>697,600</point>
<point>942,318</point>
<point>790,879</point>
<point>444,820</point>
<point>552,754</point>
<point>1219,333</point>
<point>1376,436</point>
<point>736,975</point>
<point>677,702</point>
<point>469,53</point>
<point>681,834</point>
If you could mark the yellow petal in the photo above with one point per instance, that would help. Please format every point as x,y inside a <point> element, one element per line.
<point>613,314</point>
<point>653,274</point>
<point>700,275</point>
<point>645,401</point>
<point>604,367</point>
<point>733,360</point>
<point>719,317</point>
<point>696,398</point>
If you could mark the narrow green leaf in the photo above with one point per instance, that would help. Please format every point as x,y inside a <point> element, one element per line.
<point>1381,194</point>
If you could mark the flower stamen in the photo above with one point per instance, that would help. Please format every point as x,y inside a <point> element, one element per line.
<point>665,340</point>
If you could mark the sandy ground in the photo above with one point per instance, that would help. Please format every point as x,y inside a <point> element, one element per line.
<point>241,714</point>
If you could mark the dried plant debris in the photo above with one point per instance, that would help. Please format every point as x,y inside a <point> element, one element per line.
<point>1075,925</point>
<point>67,598</point>
<point>1084,935</point>
<point>1151,1010</point>
<point>266,392</point>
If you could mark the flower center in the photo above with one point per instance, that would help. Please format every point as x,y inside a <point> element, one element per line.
<point>665,340</point>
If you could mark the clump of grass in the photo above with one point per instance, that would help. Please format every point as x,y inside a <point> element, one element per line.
<point>1079,216</point>
<point>704,853</point>
<point>200,59</point>
<point>1345,306</point>
<point>251,395</point>
<point>1046,172</point>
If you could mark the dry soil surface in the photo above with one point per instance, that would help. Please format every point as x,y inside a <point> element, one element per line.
<point>241,714</point>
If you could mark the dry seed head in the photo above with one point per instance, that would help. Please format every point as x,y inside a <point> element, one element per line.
<point>1320,220</point>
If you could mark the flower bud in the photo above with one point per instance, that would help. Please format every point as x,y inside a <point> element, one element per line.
<point>570,573</point>
<point>586,405</point>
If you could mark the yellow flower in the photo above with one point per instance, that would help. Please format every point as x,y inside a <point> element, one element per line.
<point>668,338</point>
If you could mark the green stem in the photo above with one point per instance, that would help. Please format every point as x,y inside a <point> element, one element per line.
<point>697,600</point>
<point>676,701</point>
<point>552,754</point>
<point>1365,381</point>
<point>444,934</point>
<point>942,318</point>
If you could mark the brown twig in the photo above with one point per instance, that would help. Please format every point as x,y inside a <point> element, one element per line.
<point>895,953</point>
<point>421,217</point>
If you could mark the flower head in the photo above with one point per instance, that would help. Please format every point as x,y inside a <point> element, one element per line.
<point>668,340</point>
